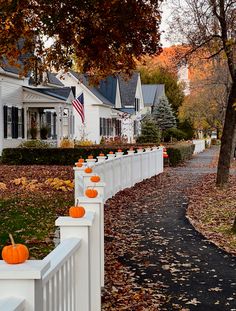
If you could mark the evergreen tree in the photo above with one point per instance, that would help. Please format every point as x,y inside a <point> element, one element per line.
<point>150,133</point>
<point>163,114</point>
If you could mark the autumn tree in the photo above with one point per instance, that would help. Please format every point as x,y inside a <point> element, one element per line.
<point>103,36</point>
<point>151,74</point>
<point>211,24</point>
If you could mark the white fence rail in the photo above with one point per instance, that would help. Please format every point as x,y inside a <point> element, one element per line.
<point>70,278</point>
<point>121,172</point>
<point>199,145</point>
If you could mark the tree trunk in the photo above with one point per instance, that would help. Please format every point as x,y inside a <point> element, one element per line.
<point>234,225</point>
<point>227,139</point>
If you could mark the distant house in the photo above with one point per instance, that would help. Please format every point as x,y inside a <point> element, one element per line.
<point>151,95</point>
<point>24,107</point>
<point>111,108</point>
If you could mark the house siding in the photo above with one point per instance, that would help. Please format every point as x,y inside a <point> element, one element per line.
<point>10,96</point>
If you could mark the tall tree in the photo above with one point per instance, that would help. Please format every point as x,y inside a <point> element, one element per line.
<point>163,114</point>
<point>153,74</point>
<point>103,36</point>
<point>211,24</point>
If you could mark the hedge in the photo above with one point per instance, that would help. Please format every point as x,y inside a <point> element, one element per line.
<point>55,156</point>
<point>68,156</point>
<point>179,153</point>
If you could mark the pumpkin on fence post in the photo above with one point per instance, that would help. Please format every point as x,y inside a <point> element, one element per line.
<point>15,253</point>
<point>95,178</point>
<point>77,211</point>
<point>88,170</point>
<point>91,193</point>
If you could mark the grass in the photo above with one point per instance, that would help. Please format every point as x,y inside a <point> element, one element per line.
<point>31,221</point>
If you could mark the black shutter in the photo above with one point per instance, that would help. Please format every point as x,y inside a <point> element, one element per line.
<point>5,121</point>
<point>13,122</point>
<point>23,123</point>
<point>16,122</point>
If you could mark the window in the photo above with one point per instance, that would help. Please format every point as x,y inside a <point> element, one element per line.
<point>136,104</point>
<point>9,121</point>
<point>118,128</point>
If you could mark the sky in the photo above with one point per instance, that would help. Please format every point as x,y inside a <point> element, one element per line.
<point>166,16</point>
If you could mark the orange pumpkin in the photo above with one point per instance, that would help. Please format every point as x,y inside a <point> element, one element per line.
<point>119,150</point>
<point>81,160</point>
<point>91,193</point>
<point>76,211</point>
<point>95,178</point>
<point>110,152</point>
<point>88,170</point>
<point>15,253</point>
<point>79,164</point>
<point>90,157</point>
<point>101,154</point>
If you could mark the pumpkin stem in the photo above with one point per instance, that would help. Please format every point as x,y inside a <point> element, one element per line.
<point>12,240</point>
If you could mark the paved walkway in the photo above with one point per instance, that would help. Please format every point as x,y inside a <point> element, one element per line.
<point>195,274</point>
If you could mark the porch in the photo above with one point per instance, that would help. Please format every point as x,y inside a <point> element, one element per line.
<point>48,114</point>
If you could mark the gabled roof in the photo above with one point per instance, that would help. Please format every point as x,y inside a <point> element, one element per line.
<point>83,78</point>
<point>20,62</point>
<point>52,79</point>
<point>107,88</point>
<point>59,93</point>
<point>128,89</point>
<point>152,93</point>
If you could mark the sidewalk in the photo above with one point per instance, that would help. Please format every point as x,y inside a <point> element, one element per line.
<point>155,260</point>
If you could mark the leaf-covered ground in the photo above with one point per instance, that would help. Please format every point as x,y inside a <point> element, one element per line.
<point>31,198</point>
<point>155,260</point>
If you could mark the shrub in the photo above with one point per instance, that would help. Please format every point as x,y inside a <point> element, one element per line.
<point>179,152</point>
<point>84,142</point>
<point>66,143</point>
<point>187,127</point>
<point>173,133</point>
<point>34,144</point>
<point>150,133</point>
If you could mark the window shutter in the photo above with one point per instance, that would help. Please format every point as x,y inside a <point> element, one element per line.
<point>13,122</point>
<point>23,124</point>
<point>16,122</point>
<point>5,121</point>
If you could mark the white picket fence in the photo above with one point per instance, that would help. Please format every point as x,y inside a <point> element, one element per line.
<point>121,172</point>
<point>199,145</point>
<point>70,278</point>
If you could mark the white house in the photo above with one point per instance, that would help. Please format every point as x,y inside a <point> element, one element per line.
<point>113,108</point>
<point>24,106</point>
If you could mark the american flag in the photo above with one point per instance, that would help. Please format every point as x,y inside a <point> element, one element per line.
<point>78,104</point>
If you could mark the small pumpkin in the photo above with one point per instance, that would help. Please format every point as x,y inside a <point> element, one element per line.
<point>91,193</point>
<point>95,178</point>
<point>119,150</point>
<point>15,253</point>
<point>88,170</point>
<point>76,211</point>
<point>79,164</point>
<point>111,152</point>
<point>81,160</point>
<point>101,154</point>
<point>90,156</point>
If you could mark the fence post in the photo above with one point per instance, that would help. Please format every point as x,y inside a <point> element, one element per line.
<point>81,228</point>
<point>21,281</point>
<point>99,186</point>
<point>96,205</point>
<point>78,181</point>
